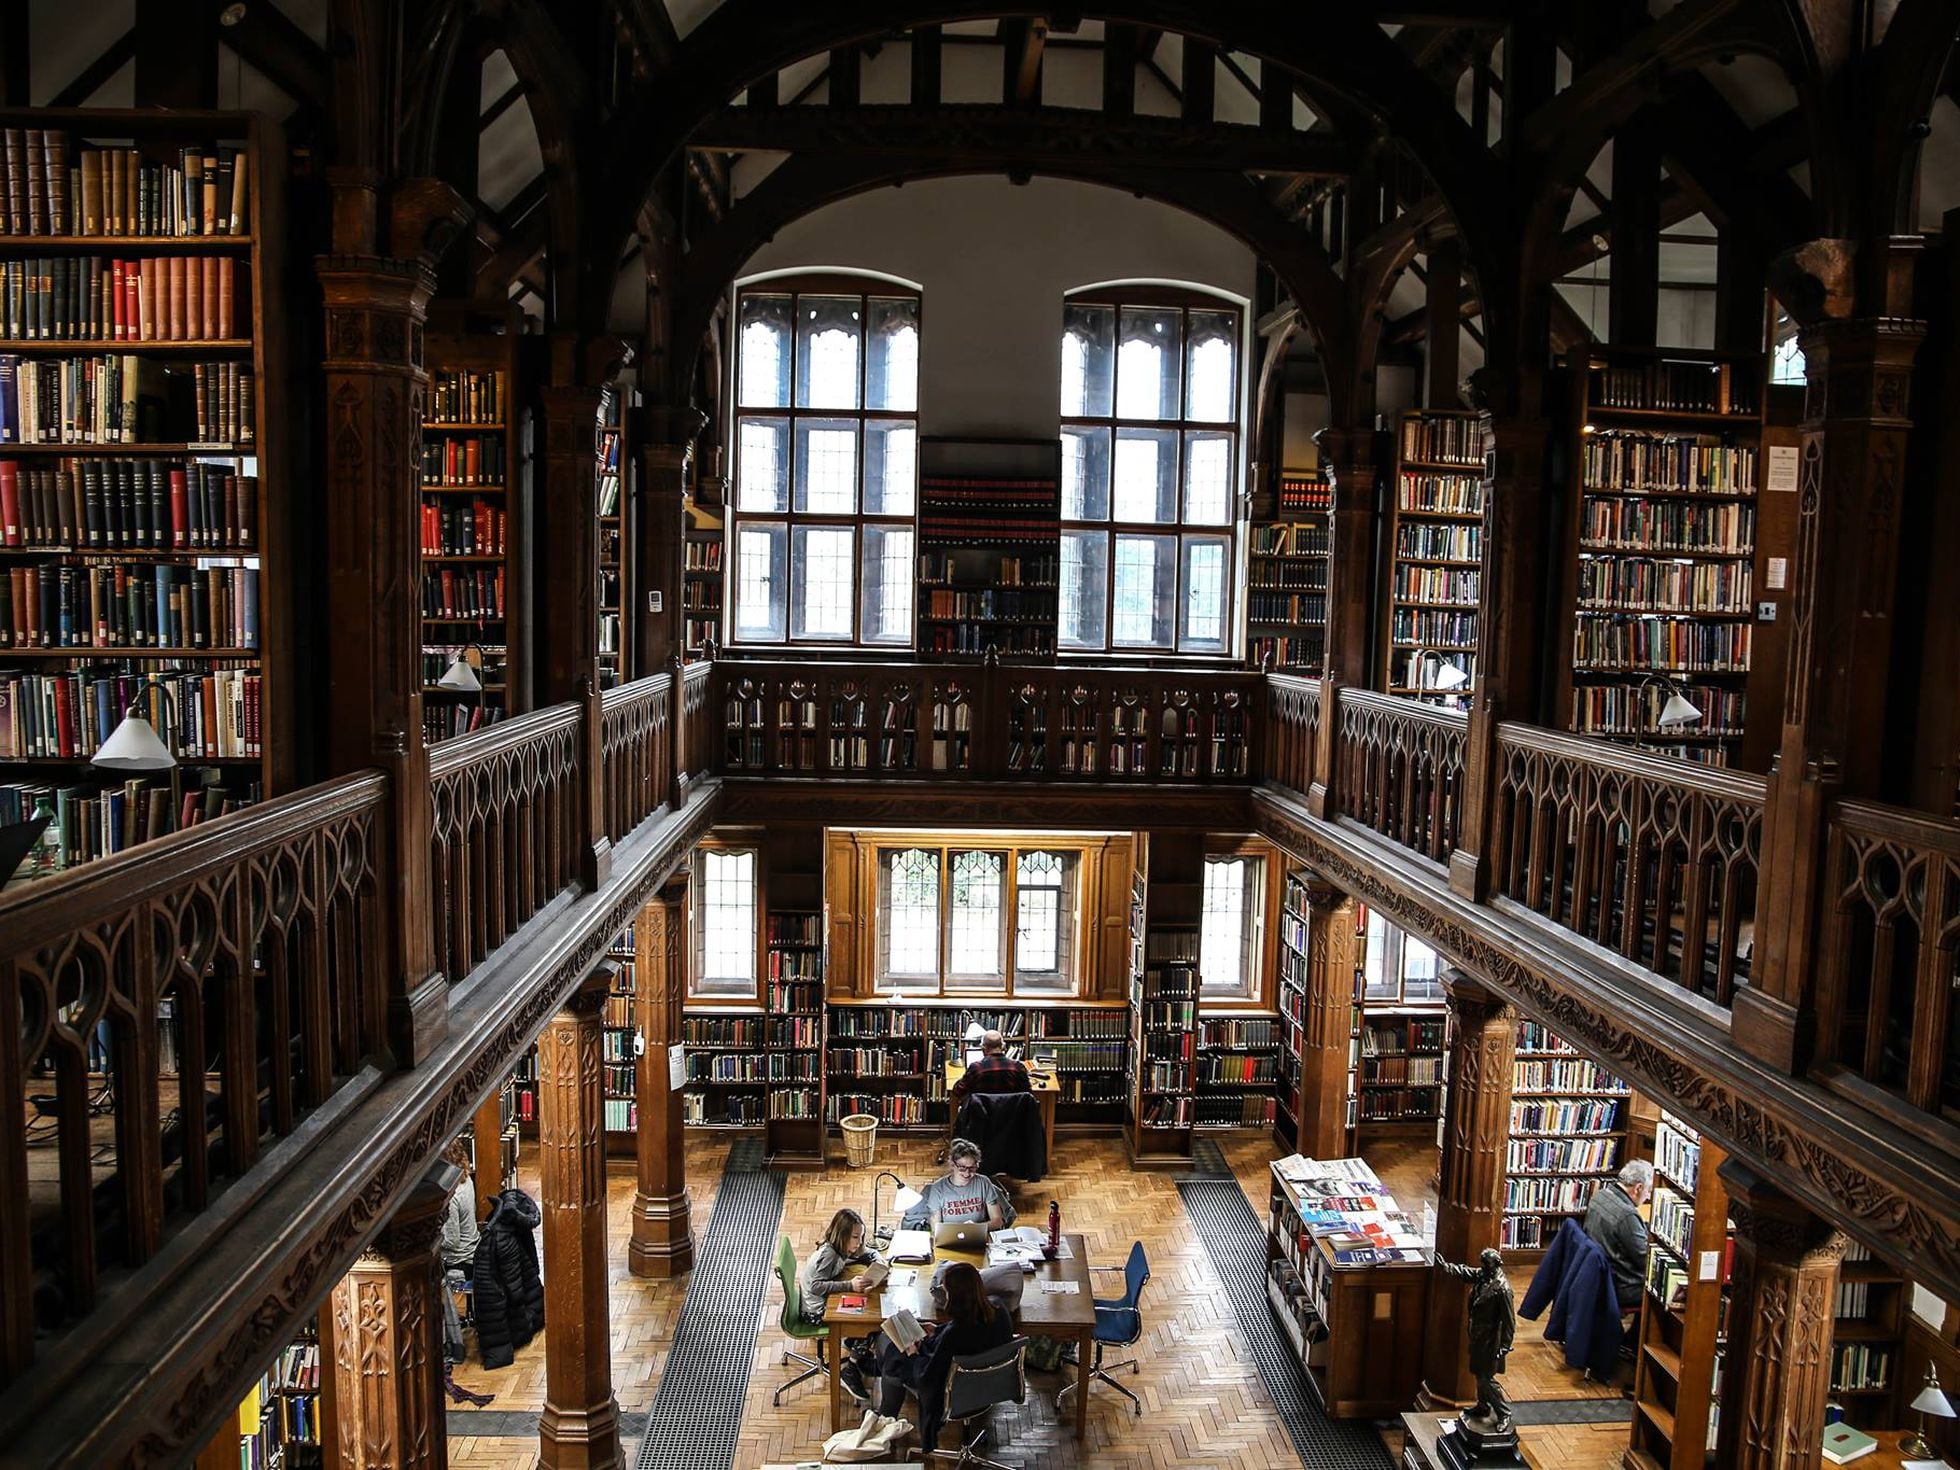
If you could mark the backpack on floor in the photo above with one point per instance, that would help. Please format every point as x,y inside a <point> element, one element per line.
<point>1044,1353</point>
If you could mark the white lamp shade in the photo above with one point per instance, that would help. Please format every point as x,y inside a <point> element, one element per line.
<point>133,747</point>
<point>975,1033</point>
<point>906,1198</point>
<point>1678,711</point>
<point>461,677</point>
<point>1933,1401</point>
<point>1449,676</point>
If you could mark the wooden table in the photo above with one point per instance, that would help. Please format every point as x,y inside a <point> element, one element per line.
<point>1047,1091</point>
<point>1071,1317</point>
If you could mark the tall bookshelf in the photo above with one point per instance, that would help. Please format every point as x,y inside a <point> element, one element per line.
<point>1868,1336</point>
<point>794,1033</point>
<point>1400,1086</point>
<point>1292,993</point>
<point>617,472</point>
<point>472,497</point>
<point>1239,1069</point>
<point>727,1067</point>
<point>1683,1312</point>
<point>144,535</point>
<point>621,1056</point>
<point>1436,542</point>
<point>702,583</point>
<point>1662,561</point>
<point>1164,1041</point>
<point>989,547</point>
<point>1286,579</point>
<point>1569,1119</point>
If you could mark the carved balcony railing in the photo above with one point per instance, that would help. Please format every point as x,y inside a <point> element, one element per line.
<point>1292,733</point>
<point>504,838</point>
<point>1400,769</point>
<point>165,1012</point>
<point>636,721</point>
<point>1889,958</point>
<point>695,753</point>
<point>1654,858</point>
<point>935,722</point>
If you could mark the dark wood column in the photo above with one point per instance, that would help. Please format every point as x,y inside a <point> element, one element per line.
<point>387,1341</point>
<point>487,1140</point>
<point>1470,1204</point>
<point>375,385</point>
<point>1633,295</point>
<point>579,1428</point>
<point>662,552</point>
<point>663,1240</point>
<point>567,650</point>
<point>1331,960</point>
<point>1348,456</point>
<point>1443,325</point>
<point>1844,583</point>
<point>1777,1371</point>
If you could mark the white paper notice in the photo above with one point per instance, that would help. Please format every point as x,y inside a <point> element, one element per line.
<point>1711,1266</point>
<point>1783,462</point>
<point>677,1066</point>
<point>1779,573</point>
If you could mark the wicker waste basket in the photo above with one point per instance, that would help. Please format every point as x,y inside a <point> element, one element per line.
<point>860,1139</point>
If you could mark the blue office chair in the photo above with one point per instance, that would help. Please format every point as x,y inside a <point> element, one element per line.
<point>975,1385</point>
<point>1119,1323</point>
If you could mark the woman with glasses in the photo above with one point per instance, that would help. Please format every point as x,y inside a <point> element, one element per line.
<point>962,1195</point>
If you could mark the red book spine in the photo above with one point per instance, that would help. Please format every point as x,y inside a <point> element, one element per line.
<point>180,509</point>
<point>10,529</point>
<point>64,716</point>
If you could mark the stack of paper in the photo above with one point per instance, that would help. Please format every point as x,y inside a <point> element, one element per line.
<point>912,1245</point>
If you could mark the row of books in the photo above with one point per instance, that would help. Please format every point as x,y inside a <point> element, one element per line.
<point>477,529</point>
<point>1280,607</point>
<point>798,1102</point>
<point>1435,584</point>
<point>1441,542</point>
<point>967,638</point>
<point>1521,1232</point>
<point>159,298</point>
<point>130,605</point>
<point>1086,1056</point>
<point>1860,1367</point>
<point>701,597</point>
<point>1288,574</point>
<point>1405,1105</point>
<point>1672,1220</point>
<point>1302,652</point>
<point>1434,627</point>
<point>1554,1196</point>
<point>1643,584</point>
<point>1564,1076</point>
<point>209,715</point>
<point>1628,709</point>
<point>1642,464</point>
<point>702,556</point>
<point>1626,641</point>
<point>1560,1155</point>
<point>463,593</point>
<point>1402,1071</point>
<point>122,398</point>
<point>1235,1112</point>
<point>875,1062</point>
<point>736,1031</point>
<point>52,187</point>
<point>465,398</point>
<point>1608,523</point>
<point>127,504</point>
<point>1854,1299</point>
<point>446,721</point>
<point>619,1079</point>
<point>1534,1038</point>
<point>1007,603</point>
<point>791,998</point>
<point>622,1115</point>
<point>1443,439</point>
<point>1285,539</point>
<point>471,459</point>
<point>723,1067</point>
<point>1305,493</point>
<point>801,1032</point>
<point>1403,1035</point>
<point>93,822</point>
<point>1238,1067</point>
<point>1424,490</point>
<point>1239,1034</point>
<point>734,1110</point>
<point>1564,1115</point>
<point>1166,1112</point>
<point>1677,1154</point>
<point>898,1109</point>
<point>941,568</point>
<point>1677,385</point>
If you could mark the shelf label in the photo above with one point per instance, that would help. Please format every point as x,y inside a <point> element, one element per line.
<point>1782,468</point>
<point>677,1066</point>
<point>1711,1266</point>
<point>1777,577</point>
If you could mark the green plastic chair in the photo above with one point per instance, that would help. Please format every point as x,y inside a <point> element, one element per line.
<point>794,1327</point>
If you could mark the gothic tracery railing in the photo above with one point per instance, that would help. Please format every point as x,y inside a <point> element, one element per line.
<point>1400,765</point>
<point>636,721</point>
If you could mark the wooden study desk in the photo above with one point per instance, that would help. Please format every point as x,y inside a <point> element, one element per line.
<point>1069,1316</point>
<point>1047,1091</point>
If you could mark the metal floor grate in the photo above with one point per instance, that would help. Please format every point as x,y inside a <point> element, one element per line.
<point>1236,1242</point>
<point>1573,1411</point>
<point>1207,1161</point>
<point>697,1414</point>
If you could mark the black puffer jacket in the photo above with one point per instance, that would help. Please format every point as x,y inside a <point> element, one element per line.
<point>509,1293</point>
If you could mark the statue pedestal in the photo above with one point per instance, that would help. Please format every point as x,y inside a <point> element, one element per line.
<point>1426,1446</point>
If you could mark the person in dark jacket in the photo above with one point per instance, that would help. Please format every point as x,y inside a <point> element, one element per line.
<point>1007,1129</point>
<point>1574,1279</point>
<point>509,1291</point>
<point>996,1071</point>
<point>973,1324</point>
<point>1613,1221</point>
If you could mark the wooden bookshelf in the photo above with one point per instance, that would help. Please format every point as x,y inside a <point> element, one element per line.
<point>619,1051</point>
<point>795,1033</point>
<point>618,474</point>
<point>1291,950</point>
<point>1400,1081</point>
<point>989,547</point>
<point>727,1067</point>
<point>1435,550</point>
<point>473,495</point>
<point>1286,579</point>
<point>1239,1070</point>
<point>1677,1372</point>
<point>1873,1311</point>
<point>702,583</point>
<point>1569,1123</point>
<point>1663,558</point>
<point>145,519</point>
<point>1164,1042</point>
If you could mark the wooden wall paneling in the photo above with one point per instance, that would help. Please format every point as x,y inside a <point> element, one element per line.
<point>1325,1066</point>
<point>842,910</point>
<point>1776,545</point>
<point>1935,783</point>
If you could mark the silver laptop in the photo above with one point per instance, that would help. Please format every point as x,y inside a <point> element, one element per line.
<point>967,1235</point>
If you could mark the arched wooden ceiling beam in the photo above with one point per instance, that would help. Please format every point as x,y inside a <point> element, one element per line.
<point>1918,48</point>
<point>803,183</point>
<point>1339,47</point>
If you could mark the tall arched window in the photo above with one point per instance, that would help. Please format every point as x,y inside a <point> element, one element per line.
<point>826,461</point>
<point>1150,515</point>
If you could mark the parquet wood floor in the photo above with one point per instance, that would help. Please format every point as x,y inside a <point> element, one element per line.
<point>1204,1402</point>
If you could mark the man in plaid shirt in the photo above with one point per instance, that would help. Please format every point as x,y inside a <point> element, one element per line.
<point>996,1071</point>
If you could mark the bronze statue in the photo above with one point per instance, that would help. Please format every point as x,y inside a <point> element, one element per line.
<point>1493,1326</point>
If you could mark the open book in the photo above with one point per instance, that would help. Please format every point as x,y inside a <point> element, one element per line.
<point>875,1275</point>
<point>904,1329</point>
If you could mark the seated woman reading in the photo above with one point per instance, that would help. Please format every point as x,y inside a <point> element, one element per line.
<point>973,1324</point>
<point>963,1194</point>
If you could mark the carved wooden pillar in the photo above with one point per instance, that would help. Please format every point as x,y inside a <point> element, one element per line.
<point>1510,615</point>
<point>1348,456</point>
<point>1470,1204</point>
<point>1331,963</point>
<point>579,1428</point>
<point>387,1341</point>
<point>375,385</point>
<point>663,1240</point>
<point>661,551</point>
<point>1781,1299</point>
<point>568,604</point>
<point>1851,480</point>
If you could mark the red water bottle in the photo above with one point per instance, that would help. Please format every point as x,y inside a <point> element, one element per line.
<point>1054,1228</point>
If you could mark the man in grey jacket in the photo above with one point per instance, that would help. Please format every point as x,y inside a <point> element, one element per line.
<point>1613,1221</point>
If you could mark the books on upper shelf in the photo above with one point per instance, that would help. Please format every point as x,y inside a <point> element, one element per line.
<point>989,546</point>
<point>1436,540</point>
<point>1286,577</point>
<point>88,504</point>
<point>53,185</point>
<point>99,399</point>
<point>96,298</point>
<point>1568,1133</point>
